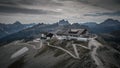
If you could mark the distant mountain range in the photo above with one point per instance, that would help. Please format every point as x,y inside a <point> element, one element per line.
<point>6,29</point>
<point>28,33</point>
<point>107,26</point>
<point>32,32</point>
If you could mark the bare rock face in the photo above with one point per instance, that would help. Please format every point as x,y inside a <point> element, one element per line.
<point>40,55</point>
<point>109,57</point>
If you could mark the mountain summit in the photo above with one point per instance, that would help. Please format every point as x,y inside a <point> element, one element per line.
<point>63,22</point>
<point>17,23</point>
<point>110,22</point>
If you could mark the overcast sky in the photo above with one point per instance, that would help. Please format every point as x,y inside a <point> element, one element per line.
<point>51,11</point>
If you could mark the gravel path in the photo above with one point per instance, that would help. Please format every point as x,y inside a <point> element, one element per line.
<point>94,45</point>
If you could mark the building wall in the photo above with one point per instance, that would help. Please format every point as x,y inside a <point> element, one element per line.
<point>71,37</point>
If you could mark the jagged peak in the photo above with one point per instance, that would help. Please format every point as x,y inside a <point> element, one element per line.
<point>63,22</point>
<point>110,21</point>
<point>17,23</point>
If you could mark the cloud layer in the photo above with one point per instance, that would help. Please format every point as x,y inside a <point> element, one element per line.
<point>107,4</point>
<point>116,13</point>
<point>15,10</point>
<point>50,11</point>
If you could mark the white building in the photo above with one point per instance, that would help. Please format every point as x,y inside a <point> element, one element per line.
<point>76,34</point>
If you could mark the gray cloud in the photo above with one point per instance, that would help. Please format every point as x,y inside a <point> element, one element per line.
<point>116,13</point>
<point>53,10</point>
<point>15,10</point>
<point>14,6</point>
<point>30,2</point>
<point>107,4</point>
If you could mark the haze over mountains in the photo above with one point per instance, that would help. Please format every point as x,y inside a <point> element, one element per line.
<point>6,29</point>
<point>20,31</point>
<point>107,26</point>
